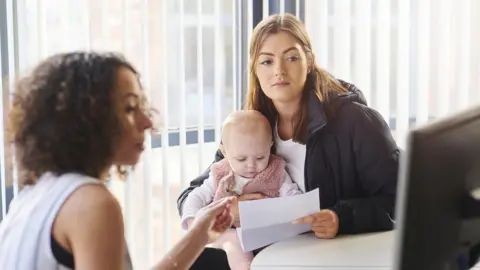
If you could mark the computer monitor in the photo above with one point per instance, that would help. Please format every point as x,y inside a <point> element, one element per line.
<point>437,212</point>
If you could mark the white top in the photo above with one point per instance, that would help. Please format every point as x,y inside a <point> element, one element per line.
<point>294,155</point>
<point>25,232</point>
<point>203,195</point>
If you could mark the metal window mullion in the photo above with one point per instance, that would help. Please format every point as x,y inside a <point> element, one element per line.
<point>87,22</point>
<point>383,71</point>
<point>465,52</point>
<point>147,158</point>
<point>363,47</point>
<point>403,70</point>
<point>182,130</point>
<point>220,70</point>
<point>444,56</point>
<point>13,65</point>
<point>3,182</point>
<point>341,39</point>
<point>165,129</point>
<point>423,62</point>
<point>265,8</point>
<point>104,26</point>
<point>240,41</point>
<point>128,191</point>
<point>201,112</point>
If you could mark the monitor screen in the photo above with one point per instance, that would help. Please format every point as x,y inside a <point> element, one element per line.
<point>439,184</point>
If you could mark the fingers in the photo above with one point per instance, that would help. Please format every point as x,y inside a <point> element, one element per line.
<point>321,223</point>
<point>223,222</point>
<point>226,214</point>
<point>225,181</point>
<point>223,216</point>
<point>219,225</point>
<point>324,223</point>
<point>324,232</point>
<point>326,226</point>
<point>324,235</point>
<point>221,228</point>
<point>252,196</point>
<point>226,221</point>
<point>217,207</point>
<point>305,220</point>
<point>319,230</point>
<point>223,202</point>
<point>322,216</point>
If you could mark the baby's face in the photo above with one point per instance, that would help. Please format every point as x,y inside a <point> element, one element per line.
<point>248,154</point>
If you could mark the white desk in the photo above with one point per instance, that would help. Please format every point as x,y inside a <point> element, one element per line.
<point>353,252</point>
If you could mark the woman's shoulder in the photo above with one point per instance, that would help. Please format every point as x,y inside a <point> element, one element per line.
<point>350,107</point>
<point>90,200</point>
<point>88,210</point>
<point>354,119</point>
<point>357,113</point>
<point>90,221</point>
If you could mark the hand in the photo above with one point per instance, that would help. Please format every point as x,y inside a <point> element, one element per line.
<point>226,182</point>
<point>245,197</point>
<point>214,219</point>
<point>324,223</point>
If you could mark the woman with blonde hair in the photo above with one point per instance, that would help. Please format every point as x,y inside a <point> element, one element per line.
<point>325,131</point>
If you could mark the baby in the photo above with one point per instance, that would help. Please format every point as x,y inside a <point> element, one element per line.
<point>248,167</point>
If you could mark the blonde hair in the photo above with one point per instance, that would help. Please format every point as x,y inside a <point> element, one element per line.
<point>245,121</point>
<point>318,80</point>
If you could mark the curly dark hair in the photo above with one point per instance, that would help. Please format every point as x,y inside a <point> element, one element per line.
<point>63,115</point>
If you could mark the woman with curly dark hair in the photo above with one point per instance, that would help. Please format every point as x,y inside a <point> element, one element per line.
<point>73,118</point>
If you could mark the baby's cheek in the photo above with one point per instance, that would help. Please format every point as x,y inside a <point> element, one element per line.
<point>235,166</point>
<point>264,165</point>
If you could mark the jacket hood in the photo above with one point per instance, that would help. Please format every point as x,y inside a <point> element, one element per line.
<point>317,115</point>
<point>353,95</point>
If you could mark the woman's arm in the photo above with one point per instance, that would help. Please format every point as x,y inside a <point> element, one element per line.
<point>90,226</point>
<point>376,158</point>
<point>376,162</point>
<point>185,252</point>
<point>210,222</point>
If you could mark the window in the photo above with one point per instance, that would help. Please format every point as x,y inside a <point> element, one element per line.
<point>150,37</point>
<point>414,60</point>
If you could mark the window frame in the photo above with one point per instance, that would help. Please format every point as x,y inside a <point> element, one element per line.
<point>9,62</point>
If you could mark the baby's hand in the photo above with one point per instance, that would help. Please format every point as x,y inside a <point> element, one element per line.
<point>225,184</point>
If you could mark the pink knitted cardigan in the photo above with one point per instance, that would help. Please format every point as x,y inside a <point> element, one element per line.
<point>267,182</point>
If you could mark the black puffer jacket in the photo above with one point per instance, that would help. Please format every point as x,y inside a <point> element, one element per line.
<point>352,158</point>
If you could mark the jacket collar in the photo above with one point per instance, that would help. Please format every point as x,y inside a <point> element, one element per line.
<point>316,109</point>
<point>317,118</point>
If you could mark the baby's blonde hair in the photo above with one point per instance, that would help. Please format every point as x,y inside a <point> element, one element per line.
<point>245,121</point>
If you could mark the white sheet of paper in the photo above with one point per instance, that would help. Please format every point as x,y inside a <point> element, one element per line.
<point>264,222</point>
